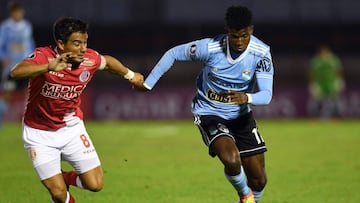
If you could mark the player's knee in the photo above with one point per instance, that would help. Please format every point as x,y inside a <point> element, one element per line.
<point>231,163</point>
<point>95,186</point>
<point>58,194</point>
<point>258,184</point>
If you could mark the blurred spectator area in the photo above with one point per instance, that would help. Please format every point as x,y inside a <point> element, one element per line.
<point>138,32</point>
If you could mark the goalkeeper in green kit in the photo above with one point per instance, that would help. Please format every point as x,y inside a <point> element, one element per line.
<point>326,83</point>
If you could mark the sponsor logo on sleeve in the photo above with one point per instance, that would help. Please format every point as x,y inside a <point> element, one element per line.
<point>193,51</point>
<point>264,65</point>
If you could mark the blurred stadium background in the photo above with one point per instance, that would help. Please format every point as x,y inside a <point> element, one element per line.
<point>138,32</point>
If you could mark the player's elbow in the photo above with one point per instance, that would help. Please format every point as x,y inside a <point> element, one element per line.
<point>268,97</point>
<point>14,73</point>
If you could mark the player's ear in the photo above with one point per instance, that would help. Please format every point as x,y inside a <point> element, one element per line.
<point>60,44</point>
<point>251,29</point>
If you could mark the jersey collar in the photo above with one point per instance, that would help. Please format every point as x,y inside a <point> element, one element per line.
<point>228,54</point>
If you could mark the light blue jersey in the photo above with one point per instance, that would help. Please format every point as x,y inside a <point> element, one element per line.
<point>222,73</point>
<point>16,42</point>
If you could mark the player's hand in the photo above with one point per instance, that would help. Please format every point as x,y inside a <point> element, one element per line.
<point>137,80</point>
<point>61,62</point>
<point>237,97</point>
<point>139,84</point>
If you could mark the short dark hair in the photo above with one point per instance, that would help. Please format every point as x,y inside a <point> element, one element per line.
<point>65,26</point>
<point>238,17</point>
<point>14,6</point>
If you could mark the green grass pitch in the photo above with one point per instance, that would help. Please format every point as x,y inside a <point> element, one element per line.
<point>166,161</point>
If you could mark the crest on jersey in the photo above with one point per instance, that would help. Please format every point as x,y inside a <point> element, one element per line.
<point>246,74</point>
<point>84,76</point>
<point>222,128</point>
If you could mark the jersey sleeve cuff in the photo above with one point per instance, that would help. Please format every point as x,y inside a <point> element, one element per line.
<point>249,98</point>
<point>147,86</point>
<point>102,62</point>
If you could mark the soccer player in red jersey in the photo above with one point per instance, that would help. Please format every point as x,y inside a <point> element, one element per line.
<point>53,128</point>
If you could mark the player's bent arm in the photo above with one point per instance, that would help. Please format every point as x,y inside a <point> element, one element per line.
<point>27,70</point>
<point>264,95</point>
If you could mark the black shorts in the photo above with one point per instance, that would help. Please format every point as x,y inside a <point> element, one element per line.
<point>242,130</point>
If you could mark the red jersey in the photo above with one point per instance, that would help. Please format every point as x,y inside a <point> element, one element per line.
<point>54,97</point>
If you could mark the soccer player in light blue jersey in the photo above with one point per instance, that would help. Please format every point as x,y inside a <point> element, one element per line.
<point>237,74</point>
<point>16,43</point>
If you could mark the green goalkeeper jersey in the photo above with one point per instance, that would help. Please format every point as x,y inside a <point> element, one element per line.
<point>325,74</point>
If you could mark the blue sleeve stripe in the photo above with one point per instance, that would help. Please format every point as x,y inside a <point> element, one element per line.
<point>265,76</point>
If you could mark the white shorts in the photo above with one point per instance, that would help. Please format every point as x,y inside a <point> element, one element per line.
<point>46,149</point>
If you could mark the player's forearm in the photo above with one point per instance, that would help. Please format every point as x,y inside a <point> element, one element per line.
<point>165,63</point>
<point>28,70</point>
<point>115,66</point>
<point>264,95</point>
<point>261,98</point>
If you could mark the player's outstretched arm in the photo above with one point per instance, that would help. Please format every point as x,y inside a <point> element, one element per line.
<point>115,66</point>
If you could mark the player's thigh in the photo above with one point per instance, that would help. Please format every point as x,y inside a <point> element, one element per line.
<point>80,151</point>
<point>212,128</point>
<point>247,135</point>
<point>254,165</point>
<point>42,151</point>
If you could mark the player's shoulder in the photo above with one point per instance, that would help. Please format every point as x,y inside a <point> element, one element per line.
<point>258,45</point>
<point>6,23</point>
<point>94,58</point>
<point>46,50</point>
<point>92,53</point>
<point>41,55</point>
<point>216,43</point>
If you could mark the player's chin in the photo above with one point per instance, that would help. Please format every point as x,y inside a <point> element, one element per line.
<point>77,60</point>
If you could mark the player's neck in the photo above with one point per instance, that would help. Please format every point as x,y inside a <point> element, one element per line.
<point>234,54</point>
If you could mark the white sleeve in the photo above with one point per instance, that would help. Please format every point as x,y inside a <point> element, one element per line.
<point>102,62</point>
